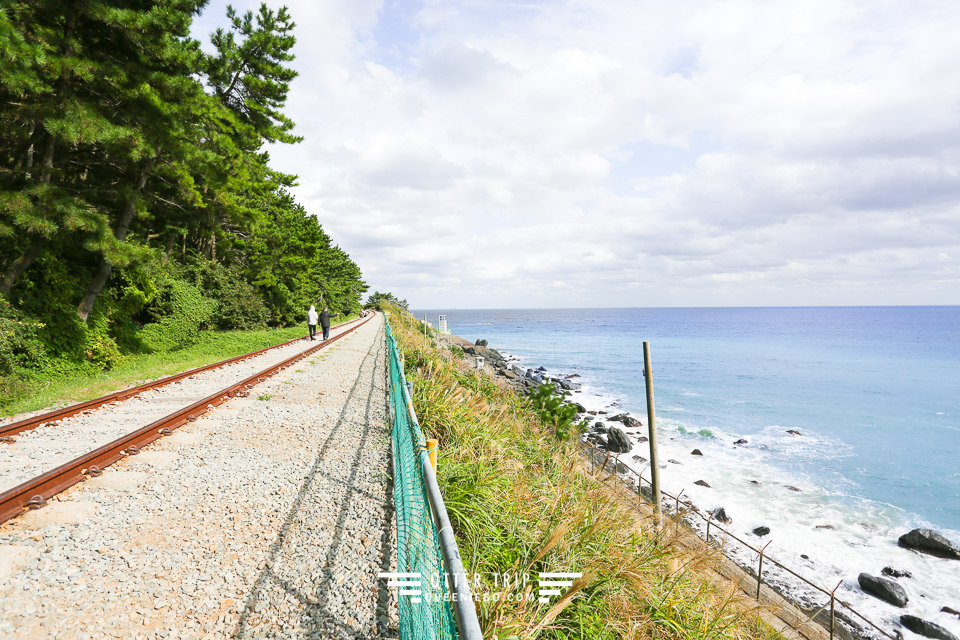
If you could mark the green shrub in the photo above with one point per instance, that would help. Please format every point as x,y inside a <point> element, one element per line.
<point>20,343</point>
<point>240,306</point>
<point>182,312</point>
<point>551,410</point>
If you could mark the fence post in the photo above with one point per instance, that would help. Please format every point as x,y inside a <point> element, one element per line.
<point>833,599</point>
<point>760,570</point>
<point>652,428</point>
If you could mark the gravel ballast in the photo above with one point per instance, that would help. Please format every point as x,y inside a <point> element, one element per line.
<point>50,445</point>
<point>265,518</point>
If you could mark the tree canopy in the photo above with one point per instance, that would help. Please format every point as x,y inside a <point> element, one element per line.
<point>135,183</point>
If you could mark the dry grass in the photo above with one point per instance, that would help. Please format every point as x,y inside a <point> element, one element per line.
<point>522,502</point>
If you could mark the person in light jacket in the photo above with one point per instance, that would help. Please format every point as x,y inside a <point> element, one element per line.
<point>325,322</point>
<point>312,322</point>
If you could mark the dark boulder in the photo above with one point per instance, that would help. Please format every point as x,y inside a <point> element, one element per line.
<point>627,421</point>
<point>492,355</point>
<point>569,386</point>
<point>950,611</point>
<point>825,526</point>
<point>886,590</point>
<point>696,452</point>
<point>639,459</point>
<point>642,439</point>
<point>895,573</point>
<point>794,432</point>
<point>754,482</point>
<point>593,413</point>
<point>481,343</point>
<point>702,483</point>
<point>672,461</point>
<point>931,542</point>
<point>580,407</point>
<point>740,441</point>
<point>925,628</point>
<point>599,427</point>
<point>617,441</point>
<point>761,531</point>
<point>721,516</point>
<point>793,488</point>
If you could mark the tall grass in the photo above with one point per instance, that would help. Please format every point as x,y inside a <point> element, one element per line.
<point>521,502</point>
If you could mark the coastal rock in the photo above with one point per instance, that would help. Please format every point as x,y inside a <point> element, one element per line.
<point>761,531</point>
<point>886,590</point>
<point>793,488</point>
<point>642,439</point>
<point>925,628</point>
<point>509,375</point>
<point>895,573</point>
<point>599,427</point>
<point>481,343</point>
<point>930,542</point>
<point>617,441</point>
<point>825,526</point>
<point>696,452</point>
<point>627,421</point>
<point>672,461</point>
<point>491,355</point>
<point>950,611</point>
<point>569,386</point>
<point>580,407</point>
<point>702,483</point>
<point>639,459</point>
<point>754,482</point>
<point>572,376</point>
<point>794,432</point>
<point>740,441</point>
<point>593,413</point>
<point>720,515</point>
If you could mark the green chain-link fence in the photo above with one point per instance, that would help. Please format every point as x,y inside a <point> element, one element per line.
<point>428,614</point>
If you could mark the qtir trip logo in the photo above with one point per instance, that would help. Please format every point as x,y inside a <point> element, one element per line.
<point>409,584</point>
<point>553,584</point>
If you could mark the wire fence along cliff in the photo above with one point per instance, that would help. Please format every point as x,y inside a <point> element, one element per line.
<point>828,612</point>
<point>434,597</point>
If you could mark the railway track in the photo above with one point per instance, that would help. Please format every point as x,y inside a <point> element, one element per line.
<point>34,492</point>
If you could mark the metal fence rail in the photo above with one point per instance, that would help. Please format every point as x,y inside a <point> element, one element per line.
<point>426,549</point>
<point>619,469</point>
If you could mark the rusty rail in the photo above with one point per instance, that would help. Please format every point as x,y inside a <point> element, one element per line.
<point>35,492</point>
<point>56,415</point>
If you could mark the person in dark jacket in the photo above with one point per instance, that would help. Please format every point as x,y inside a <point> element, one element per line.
<point>325,322</point>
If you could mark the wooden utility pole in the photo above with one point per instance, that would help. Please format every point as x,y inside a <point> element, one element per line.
<point>652,428</point>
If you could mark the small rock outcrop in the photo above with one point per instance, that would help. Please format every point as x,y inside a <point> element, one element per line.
<point>929,542</point>
<point>702,483</point>
<point>741,441</point>
<point>895,573</point>
<point>794,432</point>
<point>721,516</point>
<point>926,628</point>
<point>761,531</point>
<point>886,590</point>
<point>696,452</point>
<point>481,343</point>
<point>627,421</point>
<point>950,611</point>
<point>617,441</point>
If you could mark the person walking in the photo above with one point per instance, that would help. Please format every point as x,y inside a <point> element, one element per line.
<point>312,322</point>
<point>325,322</point>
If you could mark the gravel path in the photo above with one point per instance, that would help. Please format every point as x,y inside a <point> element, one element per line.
<point>47,447</point>
<point>262,519</point>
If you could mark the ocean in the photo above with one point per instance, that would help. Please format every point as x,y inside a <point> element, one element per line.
<point>874,393</point>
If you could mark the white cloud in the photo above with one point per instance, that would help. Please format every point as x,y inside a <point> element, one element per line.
<point>576,153</point>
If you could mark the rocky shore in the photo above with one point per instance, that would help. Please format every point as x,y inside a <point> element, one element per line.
<point>618,433</point>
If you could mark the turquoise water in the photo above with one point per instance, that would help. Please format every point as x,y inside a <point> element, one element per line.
<point>874,391</point>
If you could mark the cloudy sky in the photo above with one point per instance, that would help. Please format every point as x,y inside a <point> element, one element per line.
<point>576,153</point>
